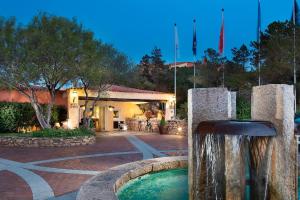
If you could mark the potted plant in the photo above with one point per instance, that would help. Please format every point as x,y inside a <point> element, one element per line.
<point>162,126</point>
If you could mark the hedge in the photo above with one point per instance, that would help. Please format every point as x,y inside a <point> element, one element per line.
<point>17,115</point>
<point>62,132</point>
<point>243,109</point>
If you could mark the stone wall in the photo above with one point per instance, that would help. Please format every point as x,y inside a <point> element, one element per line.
<point>275,103</point>
<point>173,127</point>
<point>176,127</point>
<point>11,141</point>
<point>205,104</point>
<point>140,125</point>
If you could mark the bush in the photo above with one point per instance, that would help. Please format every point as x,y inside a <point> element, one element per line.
<point>182,111</point>
<point>163,122</point>
<point>8,118</point>
<point>62,133</point>
<point>243,109</point>
<point>17,115</point>
<point>59,114</point>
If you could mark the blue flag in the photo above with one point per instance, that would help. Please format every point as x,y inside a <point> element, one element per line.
<point>258,22</point>
<point>194,40</point>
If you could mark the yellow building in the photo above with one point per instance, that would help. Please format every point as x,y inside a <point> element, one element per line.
<point>117,106</point>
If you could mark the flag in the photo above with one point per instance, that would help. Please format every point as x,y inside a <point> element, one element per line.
<point>194,40</point>
<point>258,22</point>
<point>176,41</point>
<point>204,61</point>
<point>221,42</point>
<point>295,14</point>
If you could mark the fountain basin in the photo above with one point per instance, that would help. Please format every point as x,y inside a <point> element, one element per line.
<point>164,185</point>
<point>236,127</point>
<point>105,185</point>
<point>168,184</point>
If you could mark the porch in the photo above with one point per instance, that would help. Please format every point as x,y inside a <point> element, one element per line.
<point>121,108</point>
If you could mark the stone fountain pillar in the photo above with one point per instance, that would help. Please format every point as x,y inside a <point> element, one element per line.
<point>275,103</point>
<point>206,104</point>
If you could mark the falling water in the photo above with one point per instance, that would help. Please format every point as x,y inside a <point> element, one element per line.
<point>260,160</point>
<point>210,166</point>
<point>235,166</point>
<point>221,161</point>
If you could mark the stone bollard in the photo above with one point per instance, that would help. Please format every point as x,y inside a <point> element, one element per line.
<point>275,103</point>
<point>205,104</point>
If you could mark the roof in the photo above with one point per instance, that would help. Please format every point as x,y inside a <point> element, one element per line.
<point>117,88</point>
<point>182,64</point>
<point>110,88</point>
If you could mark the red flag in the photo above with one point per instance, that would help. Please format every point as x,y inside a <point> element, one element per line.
<point>204,62</point>
<point>221,42</point>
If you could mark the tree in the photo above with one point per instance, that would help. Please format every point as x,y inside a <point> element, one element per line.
<point>99,67</point>
<point>40,55</point>
<point>211,71</point>
<point>241,56</point>
<point>154,73</point>
<point>277,53</point>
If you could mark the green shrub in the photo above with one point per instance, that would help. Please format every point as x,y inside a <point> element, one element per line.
<point>8,118</point>
<point>243,109</point>
<point>17,115</point>
<point>62,133</point>
<point>163,122</point>
<point>27,115</point>
<point>59,114</point>
<point>182,111</point>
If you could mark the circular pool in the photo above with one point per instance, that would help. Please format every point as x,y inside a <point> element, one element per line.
<point>164,185</point>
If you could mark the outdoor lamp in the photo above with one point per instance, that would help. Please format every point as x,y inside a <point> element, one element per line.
<point>74,96</point>
<point>111,108</point>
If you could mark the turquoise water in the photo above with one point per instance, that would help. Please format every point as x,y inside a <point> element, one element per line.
<point>165,185</point>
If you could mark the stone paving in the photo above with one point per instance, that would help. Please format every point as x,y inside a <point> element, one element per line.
<point>57,173</point>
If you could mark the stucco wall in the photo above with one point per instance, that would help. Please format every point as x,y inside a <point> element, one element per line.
<point>43,97</point>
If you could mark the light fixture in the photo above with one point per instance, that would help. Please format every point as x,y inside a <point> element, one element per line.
<point>111,108</point>
<point>74,97</point>
<point>179,129</point>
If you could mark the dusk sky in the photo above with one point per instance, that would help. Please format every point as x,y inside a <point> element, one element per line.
<point>136,26</point>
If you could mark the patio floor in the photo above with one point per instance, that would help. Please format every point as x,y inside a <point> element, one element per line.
<point>57,173</point>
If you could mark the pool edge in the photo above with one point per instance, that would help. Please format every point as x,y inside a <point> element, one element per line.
<point>105,185</point>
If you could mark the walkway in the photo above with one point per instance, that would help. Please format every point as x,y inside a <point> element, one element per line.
<point>57,173</point>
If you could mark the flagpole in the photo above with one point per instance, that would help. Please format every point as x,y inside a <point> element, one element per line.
<point>295,83</point>
<point>194,72</point>
<point>259,42</point>
<point>223,82</point>
<point>295,72</point>
<point>175,68</point>
<point>194,52</point>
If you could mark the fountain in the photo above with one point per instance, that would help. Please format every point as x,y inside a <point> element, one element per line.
<point>228,158</point>
<point>223,151</point>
